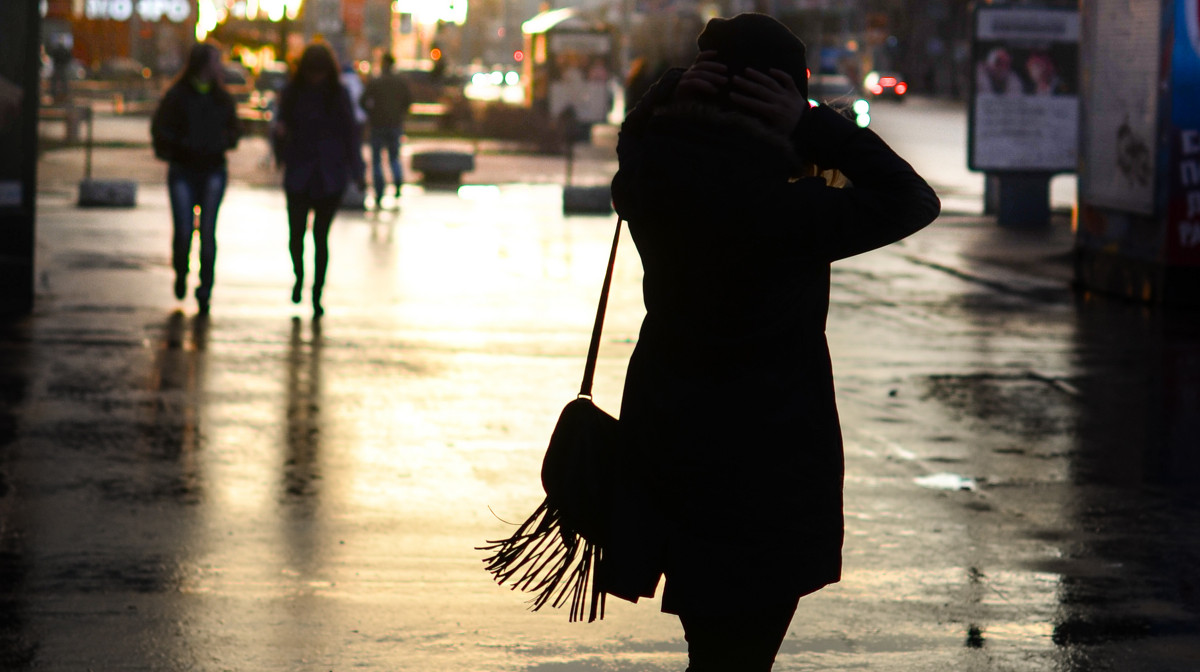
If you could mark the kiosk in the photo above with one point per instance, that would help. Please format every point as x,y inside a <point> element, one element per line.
<point>1138,226</point>
<point>569,68</point>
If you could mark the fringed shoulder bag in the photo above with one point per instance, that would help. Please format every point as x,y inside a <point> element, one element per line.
<point>555,553</point>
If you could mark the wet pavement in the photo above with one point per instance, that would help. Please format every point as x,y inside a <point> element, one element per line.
<point>258,490</point>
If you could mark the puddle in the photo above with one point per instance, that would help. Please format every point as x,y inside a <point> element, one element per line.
<point>946,481</point>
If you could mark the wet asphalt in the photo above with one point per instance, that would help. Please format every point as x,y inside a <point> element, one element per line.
<point>258,490</point>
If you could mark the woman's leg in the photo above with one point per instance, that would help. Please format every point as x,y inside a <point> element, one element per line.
<point>323,212</point>
<point>298,206</point>
<point>183,200</point>
<point>744,642</point>
<point>211,193</point>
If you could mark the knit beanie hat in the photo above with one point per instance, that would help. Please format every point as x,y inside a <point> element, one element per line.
<point>756,41</point>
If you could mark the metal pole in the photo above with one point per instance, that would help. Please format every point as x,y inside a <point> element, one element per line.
<point>87,155</point>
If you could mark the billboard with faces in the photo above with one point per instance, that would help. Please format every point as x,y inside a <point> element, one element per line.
<point>1024,104</point>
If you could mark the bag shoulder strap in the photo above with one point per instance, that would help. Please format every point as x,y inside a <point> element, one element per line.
<point>589,369</point>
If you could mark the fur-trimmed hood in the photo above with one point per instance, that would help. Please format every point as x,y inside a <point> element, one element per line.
<point>700,161</point>
<point>729,134</point>
<point>731,123</point>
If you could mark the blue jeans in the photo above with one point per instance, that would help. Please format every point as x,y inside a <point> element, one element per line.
<point>189,189</point>
<point>389,139</point>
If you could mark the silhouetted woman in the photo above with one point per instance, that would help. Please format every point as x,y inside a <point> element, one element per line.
<point>317,143</point>
<point>194,126</point>
<point>728,410</point>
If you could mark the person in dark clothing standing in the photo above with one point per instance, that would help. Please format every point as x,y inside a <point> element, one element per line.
<point>193,127</point>
<point>741,454</point>
<point>386,101</point>
<point>318,144</point>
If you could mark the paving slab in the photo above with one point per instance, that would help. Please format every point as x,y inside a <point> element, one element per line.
<point>258,490</point>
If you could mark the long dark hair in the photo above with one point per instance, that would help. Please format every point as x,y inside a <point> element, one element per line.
<point>317,60</point>
<point>198,59</point>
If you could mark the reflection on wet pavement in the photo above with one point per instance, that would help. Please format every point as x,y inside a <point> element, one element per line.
<point>1075,421</point>
<point>255,490</point>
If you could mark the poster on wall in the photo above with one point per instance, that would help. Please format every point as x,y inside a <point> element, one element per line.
<point>1183,204</point>
<point>1024,95</point>
<point>1123,52</point>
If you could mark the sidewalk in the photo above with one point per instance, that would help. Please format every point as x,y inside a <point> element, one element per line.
<point>972,240</point>
<point>122,151</point>
<point>259,491</point>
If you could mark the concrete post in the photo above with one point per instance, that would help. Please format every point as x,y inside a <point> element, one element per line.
<point>1023,200</point>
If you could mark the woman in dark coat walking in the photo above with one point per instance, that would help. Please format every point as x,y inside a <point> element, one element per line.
<point>193,127</point>
<point>728,408</point>
<point>318,144</point>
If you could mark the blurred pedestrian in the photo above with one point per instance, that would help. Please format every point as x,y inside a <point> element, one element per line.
<point>193,127</point>
<point>61,57</point>
<point>316,140</point>
<point>386,102</point>
<point>733,447</point>
<point>355,87</point>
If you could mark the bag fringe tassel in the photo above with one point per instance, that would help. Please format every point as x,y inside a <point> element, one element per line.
<point>547,558</point>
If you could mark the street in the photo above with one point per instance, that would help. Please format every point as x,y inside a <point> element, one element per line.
<point>254,490</point>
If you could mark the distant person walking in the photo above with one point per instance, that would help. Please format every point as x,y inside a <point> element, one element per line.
<point>194,126</point>
<point>318,145</point>
<point>386,102</point>
<point>355,87</point>
<point>60,77</point>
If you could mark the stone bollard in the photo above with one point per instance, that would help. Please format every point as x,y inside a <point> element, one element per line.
<point>591,200</point>
<point>443,168</point>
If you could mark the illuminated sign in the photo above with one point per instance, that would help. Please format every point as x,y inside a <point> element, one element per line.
<point>213,13</point>
<point>176,11</point>
<point>429,12</point>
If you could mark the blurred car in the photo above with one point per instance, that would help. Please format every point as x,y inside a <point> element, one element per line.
<point>269,81</point>
<point>257,109</point>
<point>271,78</point>
<point>499,83</point>
<point>840,92</point>
<point>237,81</point>
<point>886,84</point>
<point>438,98</point>
<point>121,69</point>
<point>428,87</point>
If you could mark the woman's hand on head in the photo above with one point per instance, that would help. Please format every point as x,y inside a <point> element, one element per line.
<point>705,78</point>
<point>771,96</point>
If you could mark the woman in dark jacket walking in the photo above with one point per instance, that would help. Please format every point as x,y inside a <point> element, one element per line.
<point>318,144</point>
<point>728,407</point>
<point>194,126</point>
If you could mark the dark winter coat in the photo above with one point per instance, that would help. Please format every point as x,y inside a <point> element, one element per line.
<point>195,129</point>
<point>728,408</point>
<point>319,146</point>
<point>386,100</point>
